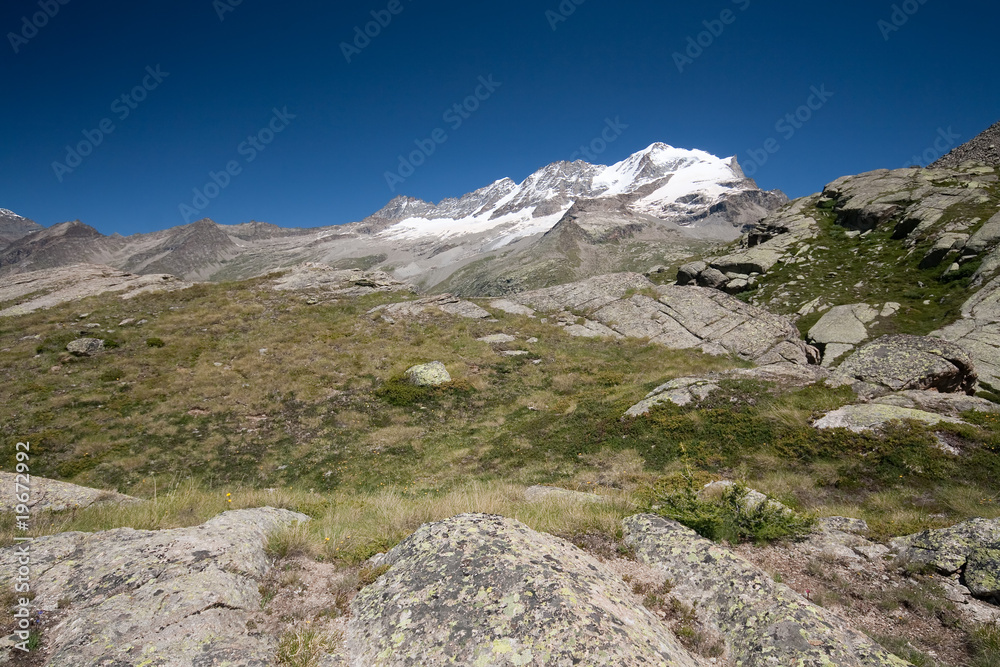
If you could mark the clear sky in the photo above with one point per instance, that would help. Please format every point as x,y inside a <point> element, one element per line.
<point>160,94</point>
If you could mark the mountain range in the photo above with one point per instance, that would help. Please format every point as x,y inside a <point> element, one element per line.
<point>567,220</point>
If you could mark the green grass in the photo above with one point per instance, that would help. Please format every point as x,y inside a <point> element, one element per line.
<point>256,389</point>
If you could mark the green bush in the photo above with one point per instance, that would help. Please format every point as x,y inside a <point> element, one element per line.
<point>729,517</point>
<point>155,342</point>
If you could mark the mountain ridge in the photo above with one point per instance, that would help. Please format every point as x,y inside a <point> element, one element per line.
<point>695,194</point>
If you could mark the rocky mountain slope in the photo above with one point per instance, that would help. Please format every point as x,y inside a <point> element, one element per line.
<point>14,226</point>
<point>565,221</point>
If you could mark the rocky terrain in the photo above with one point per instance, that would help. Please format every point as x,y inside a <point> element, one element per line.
<point>778,449</point>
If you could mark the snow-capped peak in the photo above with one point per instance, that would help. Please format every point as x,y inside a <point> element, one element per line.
<point>662,181</point>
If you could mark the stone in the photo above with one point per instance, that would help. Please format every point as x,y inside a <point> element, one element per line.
<point>978,332</point>
<point>712,278</point>
<point>902,362</point>
<point>843,524</point>
<point>951,405</point>
<point>948,549</point>
<point>840,329</point>
<point>497,339</point>
<point>982,572</point>
<point>986,238</point>
<point>442,303</point>
<point>486,590</point>
<point>52,495</point>
<point>168,597</point>
<point>511,308</point>
<point>686,390</point>
<point>314,277</point>
<point>688,273</point>
<point>761,622</point>
<point>873,416</point>
<point>85,347</point>
<point>432,374</point>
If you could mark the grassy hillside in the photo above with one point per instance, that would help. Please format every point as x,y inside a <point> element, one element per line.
<point>235,389</point>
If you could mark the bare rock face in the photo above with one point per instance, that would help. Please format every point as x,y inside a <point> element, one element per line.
<point>485,590</point>
<point>629,305</point>
<point>169,597</point>
<point>762,622</point>
<point>49,494</point>
<point>979,332</point>
<point>37,290</point>
<point>312,277</point>
<point>913,362</point>
<point>443,303</point>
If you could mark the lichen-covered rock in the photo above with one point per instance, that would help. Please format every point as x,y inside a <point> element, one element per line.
<point>85,347</point>
<point>52,495</point>
<point>762,622</point>
<point>681,391</point>
<point>428,375</point>
<point>487,591</point>
<point>951,405</point>
<point>156,598</point>
<point>902,362</point>
<point>873,416</point>
<point>948,549</point>
<point>982,572</point>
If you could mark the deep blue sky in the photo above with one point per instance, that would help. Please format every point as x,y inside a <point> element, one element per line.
<point>607,60</point>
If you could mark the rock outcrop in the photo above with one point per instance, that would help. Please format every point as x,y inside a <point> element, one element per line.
<point>873,416</point>
<point>971,549</point>
<point>443,303</point>
<point>979,332</point>
<point>37,290</point>
<point>902,362</point>
<point>169,597</point>
<point>687,390</point>
<point>629,305</point>
<point>761,622</point>
<point>324,280</point>
<point>55,496</point>
<point>485,590</point>
<point>842,328</point>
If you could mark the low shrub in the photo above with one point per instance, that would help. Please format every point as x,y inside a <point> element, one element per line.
<point>729,517</point>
